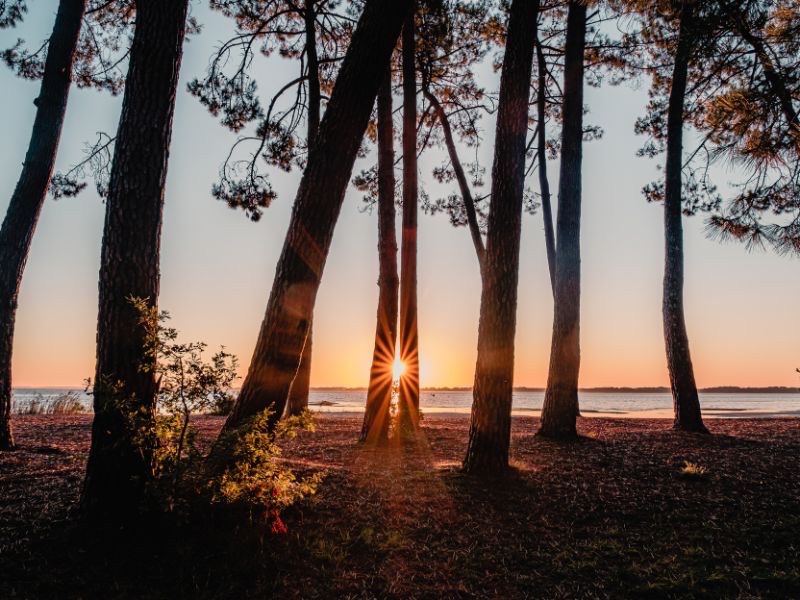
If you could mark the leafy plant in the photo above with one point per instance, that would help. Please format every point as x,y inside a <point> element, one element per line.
<point>245,474</point>
<point>187,383</point>
<point>692,470</point>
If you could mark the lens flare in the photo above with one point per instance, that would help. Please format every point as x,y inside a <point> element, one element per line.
<point>398,369</point>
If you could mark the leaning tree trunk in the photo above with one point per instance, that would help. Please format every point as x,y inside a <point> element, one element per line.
<point>379,394</point>
<point>679,362</point>
<point>297,401</point>
<point>560,408</point>
<point>461,177</point>
<point>26,202</point>
<point>408,409</point>
<point>541,159</point>
<point>125,388</point>
<point>316,210</point>
<point>490,425</point>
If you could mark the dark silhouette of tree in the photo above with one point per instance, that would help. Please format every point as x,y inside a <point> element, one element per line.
<point>684,389</point>
<point>11,12</point>
<point>560,407</point>
<point>313,33</point>
<point>29,194</point>
<point>753,122</point>
<point>375,428</point>
<point>454,38</point>
<point>120,459</point>
<point>490,424</point>
<point>316,209</point>
<point>711,76</point>
<point>408,399</point>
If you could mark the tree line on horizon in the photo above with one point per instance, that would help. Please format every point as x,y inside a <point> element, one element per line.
<point>726,70</point>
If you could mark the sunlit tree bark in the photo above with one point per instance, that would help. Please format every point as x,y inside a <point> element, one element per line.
<point>490,423</point>
<point>26,202</point>
<point>298,392</point>
<point>375,428</point>
<point>125,389</point>
<point>316,210</point>
<point>408,402</point>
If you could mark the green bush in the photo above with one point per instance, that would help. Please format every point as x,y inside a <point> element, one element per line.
<point>243,475</point>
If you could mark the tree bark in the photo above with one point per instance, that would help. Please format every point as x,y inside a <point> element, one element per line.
<point>541,157</point>
<point>125,389</point>
<point>681,375</point>
<point>490,424</point>
<point>461,178</point>
<point>560,408</point>
<point>297,401</point>
<point>408,409</point>
<point>298,393</point>
<point>29,194</point>
<point>375,429</point>
<point>316,209</point>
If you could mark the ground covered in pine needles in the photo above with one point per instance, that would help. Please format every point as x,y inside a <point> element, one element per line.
<point>617,514</point>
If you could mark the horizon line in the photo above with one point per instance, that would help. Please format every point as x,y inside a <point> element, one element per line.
<point>522,388</point>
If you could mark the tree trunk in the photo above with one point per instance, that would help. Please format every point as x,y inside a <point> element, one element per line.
<point>297,401</point>
<point>125,389</point>
<point>541,157</point>
<point>560,408</point>
<point>26,202</point>
<point>375,429</point>
<point>298,393</point>
<point>408,409</point>
<point>316,209</point>
<point>679,362</point>
<point>461,178</point>
<point>490,424</point>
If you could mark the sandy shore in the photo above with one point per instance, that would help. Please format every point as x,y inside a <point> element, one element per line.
<point>664,413</point>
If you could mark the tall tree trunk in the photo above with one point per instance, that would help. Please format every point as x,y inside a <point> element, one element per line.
<point>541,158</point>
<point>316,210</point>
<point>379,394</point>
<point>560,408</point>
<point>125,389</point>
<point>298,392</point>
<point>408,409</point>
<point>26,202</point>
<point>461,177</point>
<point>490,424</point>
<point>679,362</point>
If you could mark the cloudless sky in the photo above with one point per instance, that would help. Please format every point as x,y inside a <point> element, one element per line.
<point>217,267</point>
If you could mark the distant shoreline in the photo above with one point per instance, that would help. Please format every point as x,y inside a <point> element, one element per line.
<point>721,389</point>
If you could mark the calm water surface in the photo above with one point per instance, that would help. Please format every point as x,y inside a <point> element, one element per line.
<point>439,401</point>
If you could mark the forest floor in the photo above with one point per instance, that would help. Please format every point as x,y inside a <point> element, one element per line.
<point>613,515</point>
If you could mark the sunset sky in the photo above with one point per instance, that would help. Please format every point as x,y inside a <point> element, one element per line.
<point>217,267</point>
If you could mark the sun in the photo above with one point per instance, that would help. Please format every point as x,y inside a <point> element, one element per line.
<point>398,368</point>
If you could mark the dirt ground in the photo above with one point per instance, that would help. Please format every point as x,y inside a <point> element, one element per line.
<point>613,515</point>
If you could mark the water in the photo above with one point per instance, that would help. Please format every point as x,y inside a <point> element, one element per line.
<point>459,402</point>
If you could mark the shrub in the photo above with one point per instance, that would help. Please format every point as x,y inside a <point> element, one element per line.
<point>68,403</point>
<point>243,475</point>
<point>692,470</point>
<point>246,477</point>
